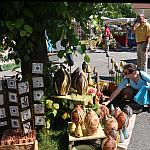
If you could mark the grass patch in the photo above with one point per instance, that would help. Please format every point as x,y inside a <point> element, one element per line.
<point>55,140</point>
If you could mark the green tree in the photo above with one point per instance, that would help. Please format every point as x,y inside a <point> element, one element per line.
<point>26,22</point>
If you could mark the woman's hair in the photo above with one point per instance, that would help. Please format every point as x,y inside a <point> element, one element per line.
<point>130,67</point>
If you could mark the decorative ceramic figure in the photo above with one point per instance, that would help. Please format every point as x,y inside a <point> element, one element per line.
<point>91,122</point>
<point>109,144</point>
<point>121,119</point>
<point>128,110</point>
<point>111,123</point>
<point>121,136</point>
<point>125,132</point>
<point>78,131</point>
<point>62,81</point>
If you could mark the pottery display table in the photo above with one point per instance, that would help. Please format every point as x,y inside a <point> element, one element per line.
<point>74,99</point>
<point>124,145</point>
<point>100,135</point>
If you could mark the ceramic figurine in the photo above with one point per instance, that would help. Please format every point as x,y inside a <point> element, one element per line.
<point>125,132</point>
<point>121,119</point>
<point>78,131</point>
<point>91,122</point>
<point>128,110</point>
<point>109,143</point>
<point>121,136</point>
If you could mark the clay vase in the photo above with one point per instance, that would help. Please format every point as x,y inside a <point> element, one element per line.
<point>121,119</point>
<point>62,81</point>
<point>111,123</point>
<point>109,143</point>
<point>78,131</point>
<point>128,110</point>
<point>91,122</point>
<point>78,115</point>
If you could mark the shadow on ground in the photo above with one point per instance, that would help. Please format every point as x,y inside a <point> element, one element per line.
<point>135,60</point>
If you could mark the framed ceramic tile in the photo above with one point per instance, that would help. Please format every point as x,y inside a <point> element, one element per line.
<point>1,99</point>
<point>15,123</point>
<point>11,83</point>
<point>39,120</point>
<point>37,82</point>
<point>12,97</point>
<point>2,113</point>
<point>25,115</point>
<point>37,68</point>
<point>27,127</point>
<point>3,123</point>
<point>1,85</point>
<point>14,110</point>
<point>23,87</point>
<point>38,94</point>
<point>38,109</point>
<point>24,101</point>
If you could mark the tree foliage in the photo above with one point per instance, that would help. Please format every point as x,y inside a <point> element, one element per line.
<point>26,22</point>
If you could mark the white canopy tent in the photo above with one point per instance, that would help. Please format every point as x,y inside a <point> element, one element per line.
<point>120,20</point>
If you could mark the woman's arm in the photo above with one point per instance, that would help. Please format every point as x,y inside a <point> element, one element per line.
<point>113,96</point>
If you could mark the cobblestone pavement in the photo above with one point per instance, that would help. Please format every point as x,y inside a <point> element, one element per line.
<point>141,132</point>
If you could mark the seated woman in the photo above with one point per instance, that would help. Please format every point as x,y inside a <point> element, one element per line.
<point>132,82</point>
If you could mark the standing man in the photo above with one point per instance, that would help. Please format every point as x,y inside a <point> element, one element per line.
<point>106,36</point>
<point>142,35</point>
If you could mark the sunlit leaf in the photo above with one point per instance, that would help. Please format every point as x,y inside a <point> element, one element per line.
<point>86,58</point>
<point>54,112</point>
